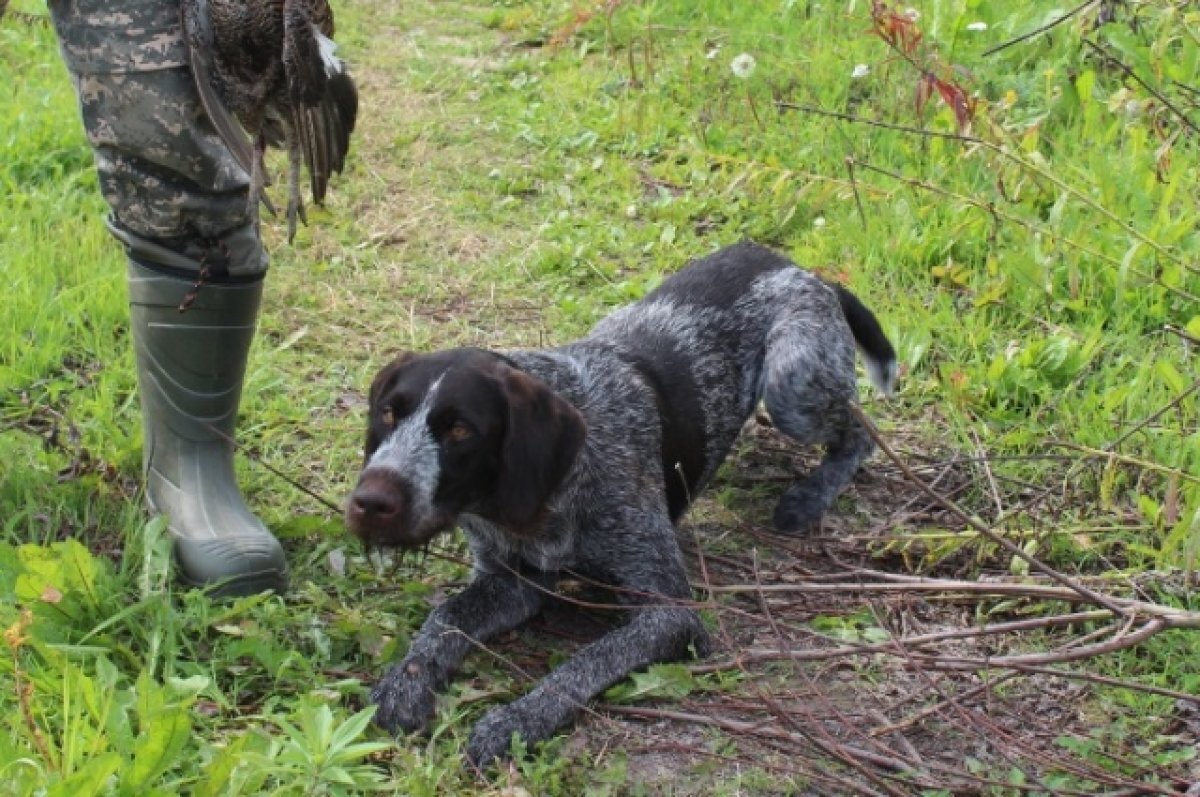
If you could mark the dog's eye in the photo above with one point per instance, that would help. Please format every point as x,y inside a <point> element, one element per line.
<point>387,417</point>
<point>459,432</point>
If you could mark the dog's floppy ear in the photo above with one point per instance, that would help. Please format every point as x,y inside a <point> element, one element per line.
<point>380,385</point>
<point>386,376</point>
<point>545,433</point>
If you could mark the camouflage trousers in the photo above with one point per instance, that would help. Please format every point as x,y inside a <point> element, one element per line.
<point>179,200</point>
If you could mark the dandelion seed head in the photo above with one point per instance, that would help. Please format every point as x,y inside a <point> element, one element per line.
<point>743,65</point>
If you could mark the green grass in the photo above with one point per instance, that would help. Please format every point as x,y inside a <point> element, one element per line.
<point>1040,286</point>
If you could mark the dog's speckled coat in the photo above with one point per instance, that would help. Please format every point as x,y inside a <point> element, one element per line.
<point>614,435</point>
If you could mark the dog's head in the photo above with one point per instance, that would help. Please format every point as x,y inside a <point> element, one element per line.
<point>459,431</point>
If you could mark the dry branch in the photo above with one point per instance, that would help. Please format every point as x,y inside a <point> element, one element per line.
<point>1088,594</point>
<point>1105,453</point>
<point>1112,59</point>
<point>1041,28</point>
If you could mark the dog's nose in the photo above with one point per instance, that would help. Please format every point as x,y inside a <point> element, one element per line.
<point>373,504</point>
<point>377,507</point>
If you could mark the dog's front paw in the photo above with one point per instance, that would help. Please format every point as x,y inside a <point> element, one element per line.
<point>405,698</point>
<point>491,738</point>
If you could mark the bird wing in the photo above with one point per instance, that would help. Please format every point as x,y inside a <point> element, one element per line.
<point>322,97</point>
<point>198,33</point>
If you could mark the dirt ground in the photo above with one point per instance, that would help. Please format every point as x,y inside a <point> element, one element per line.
<point>882,723</point>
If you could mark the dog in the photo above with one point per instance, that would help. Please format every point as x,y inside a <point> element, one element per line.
<point>581,459</point>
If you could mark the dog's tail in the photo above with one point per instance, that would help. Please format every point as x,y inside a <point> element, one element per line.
<point>876,348</point>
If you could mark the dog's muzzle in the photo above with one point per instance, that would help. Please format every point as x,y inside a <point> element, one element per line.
<point>379,512</point>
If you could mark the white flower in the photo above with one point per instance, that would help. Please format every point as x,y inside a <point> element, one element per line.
<point>912,14</point>
<point>819,222</point>
<point>743,65</point>
<point>977,26</point>
<point>860,71</point>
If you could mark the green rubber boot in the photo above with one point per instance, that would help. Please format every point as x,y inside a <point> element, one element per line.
<point>190,368</point>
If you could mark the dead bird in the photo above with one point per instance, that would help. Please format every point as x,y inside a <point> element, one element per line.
<point>270,66</point>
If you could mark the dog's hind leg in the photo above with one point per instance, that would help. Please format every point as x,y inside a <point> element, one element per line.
<point>803,505</point>
<point>808,383</point>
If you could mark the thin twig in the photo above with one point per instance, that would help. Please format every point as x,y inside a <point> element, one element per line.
<point>758,655</point>
<point>826,743</point>
<point>754,729</point>
<point>862,216</point>
<point>901,584</point>
<point>987,471</point>
<point>599,713</point>
<point>1154,416</point>
<point>988,736</point>
<point>1181,333</point>
<point>939,706</point>
<point>1119,642</point>
<point>1091,595</point>
<point>1040,29</point>
<point>849,117</point>
<point>915,586</point>
<point>1112,59</point>
<point>1103,453</point>
<point>258,460</point>
<point>1119,683</point>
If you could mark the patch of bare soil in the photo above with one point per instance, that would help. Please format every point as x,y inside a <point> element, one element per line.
<point>833,676</point>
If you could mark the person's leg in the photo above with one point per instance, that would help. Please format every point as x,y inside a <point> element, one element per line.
<point>196,265</point>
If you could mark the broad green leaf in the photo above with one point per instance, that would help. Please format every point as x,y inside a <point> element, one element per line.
<point>1182,543</point>
<point>1149,508</point>
<point>875,634</point>
<point>79,567</point>
<point>91,779</point>
<point>1133,51</point>
<point>1170,376</point>
<point>150,698</point>
<point>41,568</point>
<point>185,690</point>
<point>661,680</point>
<point>219,772</point>
<point>1084,85</point>
<point>10,562</point>
<point>359,751</point>
<point>352,728</point>
<point>158,747</point>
